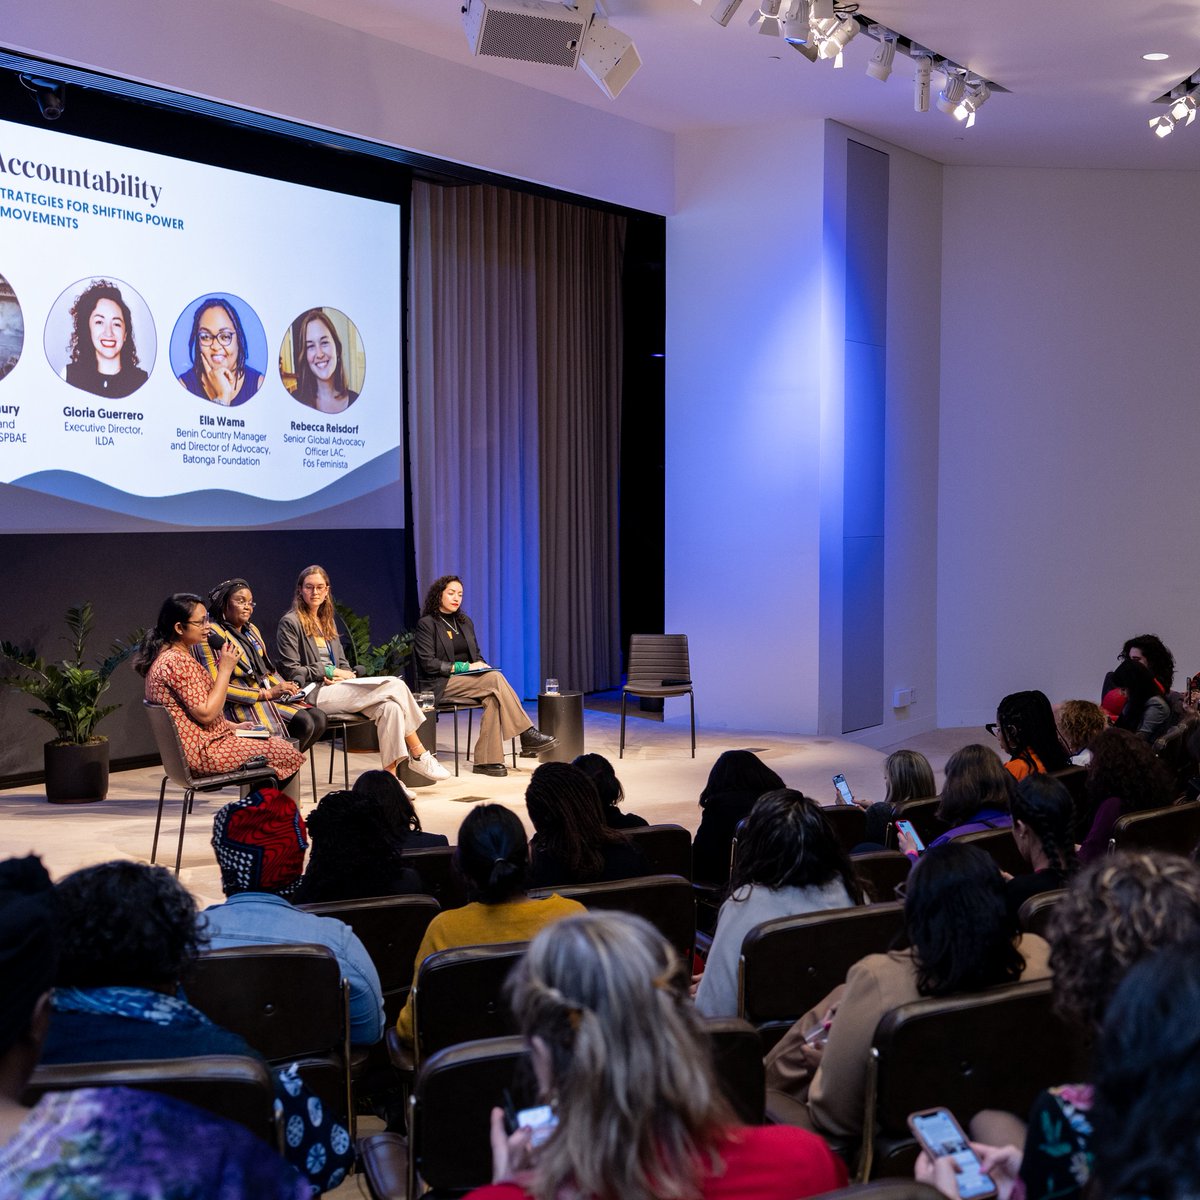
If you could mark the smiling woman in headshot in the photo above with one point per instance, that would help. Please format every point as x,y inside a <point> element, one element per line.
<point>103,358</point>
<point>320,364</point>
<point>217,345</point>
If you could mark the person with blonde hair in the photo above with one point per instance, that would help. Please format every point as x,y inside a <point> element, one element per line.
<point>310,651</point>
<point>1080,722</point>
<point>621,1056</point>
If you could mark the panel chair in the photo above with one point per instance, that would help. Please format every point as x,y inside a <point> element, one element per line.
<point>227,1085</point>
<point>667,848</point>
<point>992,1049</point>
<point>1035,913</point>
<point>792,963</point>
<point>666,901</point>
<point>1175,829</point>
<point>658,667</point>
<point>290,1003</point>
<point>457,996</point>
<point>176,771</point>
<point>336,731</point>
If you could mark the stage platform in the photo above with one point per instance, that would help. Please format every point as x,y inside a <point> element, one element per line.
<point>662,783</point>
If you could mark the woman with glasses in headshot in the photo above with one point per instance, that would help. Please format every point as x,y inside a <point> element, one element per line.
<point>217,344</point>
<point>196,702</point>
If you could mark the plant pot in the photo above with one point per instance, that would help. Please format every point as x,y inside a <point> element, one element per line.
<point>76,774</point>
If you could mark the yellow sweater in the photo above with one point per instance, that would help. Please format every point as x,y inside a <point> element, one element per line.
<point>484,925</point>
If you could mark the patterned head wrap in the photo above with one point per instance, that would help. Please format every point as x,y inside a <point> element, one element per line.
<point>28,945</point>
<point>260,843</point>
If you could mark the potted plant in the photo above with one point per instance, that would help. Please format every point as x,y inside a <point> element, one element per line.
<point>69,691</point>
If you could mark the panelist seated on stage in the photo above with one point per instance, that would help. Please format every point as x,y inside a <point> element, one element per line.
<point>257,692</point>
<point>259,843</point>
<point>450,662</point>
<point>196,701</point>
<point>310,651</point>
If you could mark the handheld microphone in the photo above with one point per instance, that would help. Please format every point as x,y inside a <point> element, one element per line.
<point>215,641</point>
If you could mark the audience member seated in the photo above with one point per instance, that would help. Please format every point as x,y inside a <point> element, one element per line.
<point>493,858</point>
<point>1148,650</point>
<point>101,1142</point>
<point>127,935</point>
<point>355,853</point>
<point>600,771</point>
<point>789,862</point>
<point>571,843</point>
<point>619,1051</point>
<point>976,796</point>
<point>196,702</point>
<point>907,776</point>
<point>1026,730</point>
<point>1145,711</point>
<point>959,940</point>
<point>1118,912</point>
<point>1043,816</point>
<point>736,781</point>
<point>385,789</point>
<point>1080,722</point>
<point>260,844</point>
<point>256,689</point>
<point>1124,776</point>
<point>310,651</point>
<point>1146,1082</point>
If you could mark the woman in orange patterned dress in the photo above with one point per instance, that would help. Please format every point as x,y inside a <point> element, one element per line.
<point>195,700</point>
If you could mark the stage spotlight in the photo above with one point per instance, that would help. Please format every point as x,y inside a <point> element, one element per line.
<point>1183,109</point>
<point>922,69</point>
<point>724,11</point>
<point>880,64</point>
<point>950,95</point>
<point>50,94</point>
<point>1162,125</point>
<point>793,20</point>
<point>609,57</point>
<point>808,49</point>
<point>845,30</point>
<point>973,101</point>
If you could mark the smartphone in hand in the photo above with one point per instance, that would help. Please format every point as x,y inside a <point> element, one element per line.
<point>940,1135</point>
<point>845,795</point>
<point>907,827</point>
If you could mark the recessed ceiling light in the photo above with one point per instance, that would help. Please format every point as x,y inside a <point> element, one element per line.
<point>1155,56</point>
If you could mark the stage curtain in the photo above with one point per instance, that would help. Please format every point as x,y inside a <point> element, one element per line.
<point>514,415</point>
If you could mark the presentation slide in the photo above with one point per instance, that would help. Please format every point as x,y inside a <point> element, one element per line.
<point>185,346</point>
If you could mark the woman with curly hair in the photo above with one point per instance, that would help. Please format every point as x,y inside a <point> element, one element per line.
<point>1118,912</point>
<point>571,843</point>
<point>620,1055</point>
<point>1124,776</point>
<point>404,826</point>
<point>450,663</point>
<point>1080,722</point>
<point>959,940</point>
<point>1043,816</point>
<point>103,358</point>
<point>600,771</point>
<point>1027,732</point>
<point>789,862</point>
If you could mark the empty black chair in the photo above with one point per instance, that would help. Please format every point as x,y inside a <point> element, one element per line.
<point>658,667</point>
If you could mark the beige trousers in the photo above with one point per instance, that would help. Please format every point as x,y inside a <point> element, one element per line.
<point>503,717</point>
<point>388,703</point>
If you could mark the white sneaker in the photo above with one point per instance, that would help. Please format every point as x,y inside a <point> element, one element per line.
<point>428,766</point>
<point>409,794</point>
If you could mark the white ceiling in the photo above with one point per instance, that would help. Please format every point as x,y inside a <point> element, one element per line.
<point>1081,95</point>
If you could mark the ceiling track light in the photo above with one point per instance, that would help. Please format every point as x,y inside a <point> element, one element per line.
<point>724,12</point>
<point>1184,109</point>
<point>922,70</point>
<point>950,97</point>
<point>880,64</point>
<point>1163,125</point>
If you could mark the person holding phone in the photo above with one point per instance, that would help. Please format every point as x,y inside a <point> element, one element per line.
<point>960,940</point>
<point>257,692</point>
<point>450,663</point>
<point>622,1057</point>
<point>976,796</point>
<point>310,651</point>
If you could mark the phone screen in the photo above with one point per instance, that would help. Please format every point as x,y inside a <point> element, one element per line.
<point>940,1134</point>
<point>907,827</point>
<point>843,789</point>
<point>540,1120</point>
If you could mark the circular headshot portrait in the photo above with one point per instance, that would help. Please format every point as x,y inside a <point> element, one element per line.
<point>322,361</point>
<point>219,349</point>
<point>12,328</point>
<point>100,338</point>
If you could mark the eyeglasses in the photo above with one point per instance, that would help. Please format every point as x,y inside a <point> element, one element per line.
<point>224,336</point>
<point>243,604</point>
<point>315,587</point>
<point>206,621</point>
<point>993,728</point>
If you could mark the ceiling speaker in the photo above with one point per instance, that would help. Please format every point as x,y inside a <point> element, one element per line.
<point>534,31</point>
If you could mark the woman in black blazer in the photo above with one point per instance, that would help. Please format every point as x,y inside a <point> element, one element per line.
<point>449,662</point>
